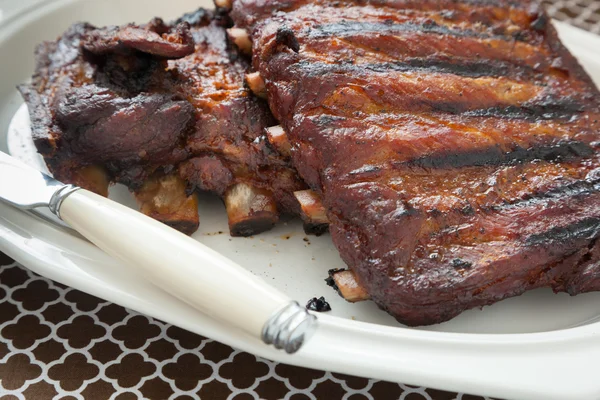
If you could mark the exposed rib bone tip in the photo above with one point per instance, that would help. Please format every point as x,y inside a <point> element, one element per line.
<point>93,178</point>
<point>278,139</point>
<point>164,198</point>
<point>312,206</point>
<point>312,212</point>
<point>348,286</point>
<point>256,83</point>
<point>250,210</point>
<point>227,4</point>
<point>241,38</point>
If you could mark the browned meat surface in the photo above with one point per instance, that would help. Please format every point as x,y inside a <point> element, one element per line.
<point>85,111</point>
<point>156,38</point>
<point>454,144</point>
<point>99,113</point>
<point>228,146</point>
<point>162,109</point>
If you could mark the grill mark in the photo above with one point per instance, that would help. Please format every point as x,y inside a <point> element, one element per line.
<point>563,151</point>
<point>550,107</point>
<point>466,68</point>
<point>492,14</point>
<point>482,20</point>
<point>402,152</point>
<point>346,28</point>
<point>415,45</point>
<point>581,187</point>
<point>445,5</point>
<point>586,229</point>
<point>578,185</point>
<point>572,186</point>
<point>420,3</point>
<point>584,187</point>
<point>577,188</point>
<point>581,229</point>
<point>423,92</point>
<point>545,110</point>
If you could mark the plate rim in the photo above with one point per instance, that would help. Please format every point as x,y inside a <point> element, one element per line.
<point>570,340</point>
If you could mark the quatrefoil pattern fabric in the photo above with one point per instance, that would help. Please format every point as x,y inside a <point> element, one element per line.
<point>59,343</point>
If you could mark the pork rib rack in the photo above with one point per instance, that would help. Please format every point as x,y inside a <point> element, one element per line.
<point>162,109</point>
<point>229,153</point>
<point>454,144</point>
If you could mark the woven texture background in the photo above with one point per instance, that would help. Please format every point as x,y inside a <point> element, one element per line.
<point>584,14</point>
<point>59,343</point>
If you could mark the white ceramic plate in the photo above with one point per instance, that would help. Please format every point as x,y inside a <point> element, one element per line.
<point>539,345</point>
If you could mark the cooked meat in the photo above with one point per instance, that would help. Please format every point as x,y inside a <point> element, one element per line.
<point>454,144</point>
<point>313,212</point>
<point>81,115</point>
<point>228,147</point>
<point>165,198</point>
<point>92,121</point>
<point>156,38</point>
<point>345,283</point>
<point>162,109</point>
<point>100,126</point>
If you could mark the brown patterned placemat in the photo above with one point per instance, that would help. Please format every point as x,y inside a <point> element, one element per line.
<point>584,14</point>
<point>59,343</point>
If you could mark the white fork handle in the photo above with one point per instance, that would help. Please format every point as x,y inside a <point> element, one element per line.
<point>189,270</point>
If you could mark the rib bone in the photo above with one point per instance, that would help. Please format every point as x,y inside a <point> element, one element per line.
<point>256,83</point>
<point>250,210</point>
<point>313,212</point>
<point>345,282</point>
<point>227,4</point>
<point>241,39</point>
<point>164,198</point>
<point>91,177</point>
<point>278,138</point>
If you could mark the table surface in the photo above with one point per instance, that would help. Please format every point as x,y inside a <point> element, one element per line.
<point>59,343</point>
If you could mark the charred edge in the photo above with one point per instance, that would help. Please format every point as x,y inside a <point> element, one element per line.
<point>315,229</point>
<point>459,263</point>
<point>200,17</point>
<point>575,189</point>
<point>348,28</point>
<point>187,227</point>
<point>251,227</point>
<point>331,282</point>
<point>564,151</point>
<point>493,3</point>
<point>579,188</point>
<point>543,110</point>
<point>540,23</point>
<point>286,37</point>
<point>548,108</point>
<point>471,69</point>
<point>587,229</point>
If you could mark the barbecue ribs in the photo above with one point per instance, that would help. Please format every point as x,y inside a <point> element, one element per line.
<point>454,144</point>
<point>162,109</point>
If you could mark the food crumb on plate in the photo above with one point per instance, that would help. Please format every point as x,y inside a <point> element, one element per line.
<point>319,305</point>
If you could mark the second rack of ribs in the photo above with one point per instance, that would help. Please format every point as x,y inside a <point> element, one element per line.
<point>454,144</point>
<point>162,109</point>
